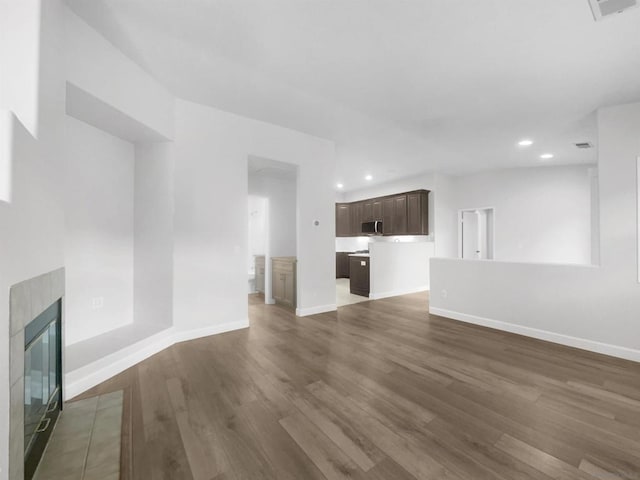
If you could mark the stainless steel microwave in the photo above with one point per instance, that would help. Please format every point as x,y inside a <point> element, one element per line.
<point>372,228</point>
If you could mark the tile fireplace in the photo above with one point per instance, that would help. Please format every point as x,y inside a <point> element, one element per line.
<point>36,364</point>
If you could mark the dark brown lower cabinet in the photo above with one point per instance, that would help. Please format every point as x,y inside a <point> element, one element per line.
<point>342,264</point>
<point>359,275</point>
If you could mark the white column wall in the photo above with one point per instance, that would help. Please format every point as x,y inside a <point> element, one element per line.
<point>153,229</point>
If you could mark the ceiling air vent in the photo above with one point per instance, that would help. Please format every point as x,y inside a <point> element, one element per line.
<point>584,145</point>
<point>605,8</point>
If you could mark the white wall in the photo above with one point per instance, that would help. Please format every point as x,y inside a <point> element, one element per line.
<point>20,60</point>
<point>258,213</point>
<point>153,226</point>
<point>281,195</point>
<point>96,66</point>
<point>99,231</point>
<point>353,244</point>
<point>590,307</point>
<point>445,216</point>
<point>393,268</point>
<point>541,214</point>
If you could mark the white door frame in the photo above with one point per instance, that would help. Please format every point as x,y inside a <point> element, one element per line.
<point>638,213</point>
<point>493,227</point>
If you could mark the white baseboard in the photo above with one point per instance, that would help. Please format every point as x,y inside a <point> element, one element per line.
<point>395,293</point>
<point>562,339</point>
<point>184,335</point>
<point>303,312</point>
<point>88,376</point>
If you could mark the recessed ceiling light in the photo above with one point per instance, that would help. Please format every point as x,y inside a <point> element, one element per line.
<point>546,156</point>
<point>339,185</point>
<point>369,177</point>
<point>525,143</point>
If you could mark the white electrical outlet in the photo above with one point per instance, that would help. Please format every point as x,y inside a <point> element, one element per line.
<point>444,294</point>
<point>97,302</point>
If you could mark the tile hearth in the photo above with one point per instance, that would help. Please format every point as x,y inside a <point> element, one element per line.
<point>85,444</point>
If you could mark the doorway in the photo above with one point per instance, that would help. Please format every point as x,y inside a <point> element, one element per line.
<point>476,227</point>
<point>272,230</point>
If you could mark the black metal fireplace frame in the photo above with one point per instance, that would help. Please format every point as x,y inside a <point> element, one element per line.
<point>33,332</point>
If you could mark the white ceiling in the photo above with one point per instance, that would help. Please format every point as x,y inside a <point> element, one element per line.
<point>402,86</point>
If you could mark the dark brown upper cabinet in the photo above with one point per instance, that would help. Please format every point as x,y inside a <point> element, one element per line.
<point>343,220</point>
<point>388,209</point>
<point>357,216</point>
<point>417,213</point>
<point>401,214</point>
<point>377,210</point>
<point>367,211</point>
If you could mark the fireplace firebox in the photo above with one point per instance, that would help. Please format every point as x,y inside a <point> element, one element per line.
<point>42,383</point>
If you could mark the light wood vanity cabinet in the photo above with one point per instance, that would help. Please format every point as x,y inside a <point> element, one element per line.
<point>260,271</point>
<point>283,280</point>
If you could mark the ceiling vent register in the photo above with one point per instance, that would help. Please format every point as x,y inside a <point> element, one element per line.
<point>584,145</point>
<point>605,8</point>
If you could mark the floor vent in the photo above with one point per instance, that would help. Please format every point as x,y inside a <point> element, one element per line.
<point>605,8</point>
<point>584,145</point>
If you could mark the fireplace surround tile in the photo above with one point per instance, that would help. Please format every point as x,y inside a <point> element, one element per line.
<point>16,431</point>
<point>57,283</point>
<point>17,357</point>
<point>41,294</point>
<point>20,306</point>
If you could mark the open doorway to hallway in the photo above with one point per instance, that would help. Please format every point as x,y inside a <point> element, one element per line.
<point>272,231</point>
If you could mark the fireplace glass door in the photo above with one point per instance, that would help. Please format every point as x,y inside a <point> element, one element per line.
<point>42,384</point>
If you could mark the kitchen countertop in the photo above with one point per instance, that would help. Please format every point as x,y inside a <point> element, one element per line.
<point>359,255</point>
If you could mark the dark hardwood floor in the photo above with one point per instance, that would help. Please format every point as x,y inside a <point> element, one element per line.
<point>379,390</point>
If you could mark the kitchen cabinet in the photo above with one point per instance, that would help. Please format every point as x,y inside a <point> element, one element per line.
<point>359,275</point>
<point>343,220</point>
<point>342,264</point>
<point>367,211</point>
<point>260,270</point>
<point>387,215</point>
<point>401,214</point>
<point>283,280</point>
<point>377,210</point>
<point>357,215</point>
<point>417,213</point>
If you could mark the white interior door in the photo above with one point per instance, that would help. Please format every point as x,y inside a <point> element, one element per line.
<point>476,234</point>
<point>470,234</point>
